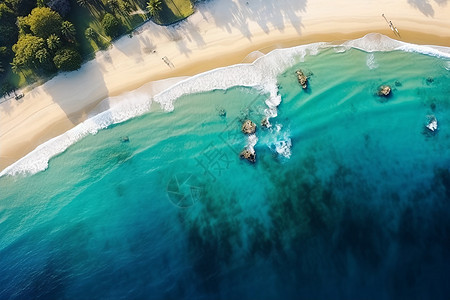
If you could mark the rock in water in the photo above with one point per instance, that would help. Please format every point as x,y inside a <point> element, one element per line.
<point>248,154</point>
<point>265,122</point>
<point>124,139</point>
<point>248,127</point>
<point>222,112</point>
<point>302,79</point>
<point>384,91</point>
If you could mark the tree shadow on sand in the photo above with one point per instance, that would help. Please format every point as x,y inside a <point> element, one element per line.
<point>267,14</point>
<point>425,7</point>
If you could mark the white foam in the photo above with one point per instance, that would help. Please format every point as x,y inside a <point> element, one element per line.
<point>251,142</point>
<point>37,160</point>
<point>261,74</point>
<point>447,65</point>
<point>279,141</point>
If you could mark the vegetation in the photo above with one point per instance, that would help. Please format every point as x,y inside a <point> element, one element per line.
<point>112,25</point>
<point>170,11</point>
<point>154,7</point>
<point>67,60</point>
<point>43,22</point>
<point>40,37</point>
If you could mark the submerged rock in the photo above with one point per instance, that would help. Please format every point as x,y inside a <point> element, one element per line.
<point>384,91</point>
<point>248,154</point>
<point>302,79</point>
<point>248,127</point>
<point>222,112</point>
<point>124,139</point>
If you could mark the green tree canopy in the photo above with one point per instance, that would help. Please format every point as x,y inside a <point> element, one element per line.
<point>53,42</point>
<point>6,14</point>
<point>112,25</point>
<point>90,33</point>
<point>21,7</point>
<point>25,50</point>
<point>44,58</point>
<point>67,60</point>
<point>43,22</point>
<point>154,7</point>
<point>23,26</point>
<point>8,28</point>
<point>68,31</point>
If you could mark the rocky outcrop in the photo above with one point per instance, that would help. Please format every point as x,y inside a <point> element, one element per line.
<point>384,91</point>
<point>302,79</point>
<point>248,127</point>
<point>248,154</point>
<point>265,122</point>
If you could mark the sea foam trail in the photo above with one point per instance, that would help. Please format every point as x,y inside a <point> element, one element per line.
<point>261,74</point>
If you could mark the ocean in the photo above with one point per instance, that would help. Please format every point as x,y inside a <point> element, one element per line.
<point>349,196</point>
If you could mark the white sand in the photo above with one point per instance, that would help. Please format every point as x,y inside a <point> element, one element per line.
<point>220,33</point>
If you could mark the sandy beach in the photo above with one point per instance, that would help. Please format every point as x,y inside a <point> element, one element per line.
<point>220,33</point>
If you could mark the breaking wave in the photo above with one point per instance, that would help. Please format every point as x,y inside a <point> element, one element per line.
<point>261,75</point>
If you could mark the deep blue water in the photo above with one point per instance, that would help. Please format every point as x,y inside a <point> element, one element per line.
<point>358,208</point>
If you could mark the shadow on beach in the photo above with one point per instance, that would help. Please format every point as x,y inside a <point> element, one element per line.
<point>229,15</point>
<point>76,93</point>
<point>425,7</point>
<point>268,15</point>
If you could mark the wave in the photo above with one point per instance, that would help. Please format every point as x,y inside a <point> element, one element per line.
<point>261,75</point>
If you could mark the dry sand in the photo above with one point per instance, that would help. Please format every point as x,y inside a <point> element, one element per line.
<point>220,33</point>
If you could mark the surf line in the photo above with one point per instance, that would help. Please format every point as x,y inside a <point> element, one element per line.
<point>391,25</point>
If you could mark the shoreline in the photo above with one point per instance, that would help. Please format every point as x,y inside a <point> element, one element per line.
<point>68,99</point>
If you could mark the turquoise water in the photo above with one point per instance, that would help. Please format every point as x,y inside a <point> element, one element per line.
<point>357,208</point>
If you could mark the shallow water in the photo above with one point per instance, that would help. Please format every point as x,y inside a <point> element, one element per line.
<point>357,207</point>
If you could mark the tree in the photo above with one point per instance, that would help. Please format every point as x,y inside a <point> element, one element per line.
<point>113,5</point>
<point>154,7</point>
<point>43,56</point>
<point>6,14</point>
<point>68,30</point>
<point>16,67</point>
<point>43,22</point>
<point>8,28</point>
<point>113,27</point>
<point>67,60</point>
<point>23,26</point>
<point>53,42</point>
<point>26,48</point>
<point>21,7</point>
<point>90,34</point>
<point>1,68</point>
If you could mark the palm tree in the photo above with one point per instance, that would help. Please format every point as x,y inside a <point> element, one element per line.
<point>90,33</point>
<point>68,30</point>
<point>53,42</point>
<point>42,56</point>
<point>154,7</point>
